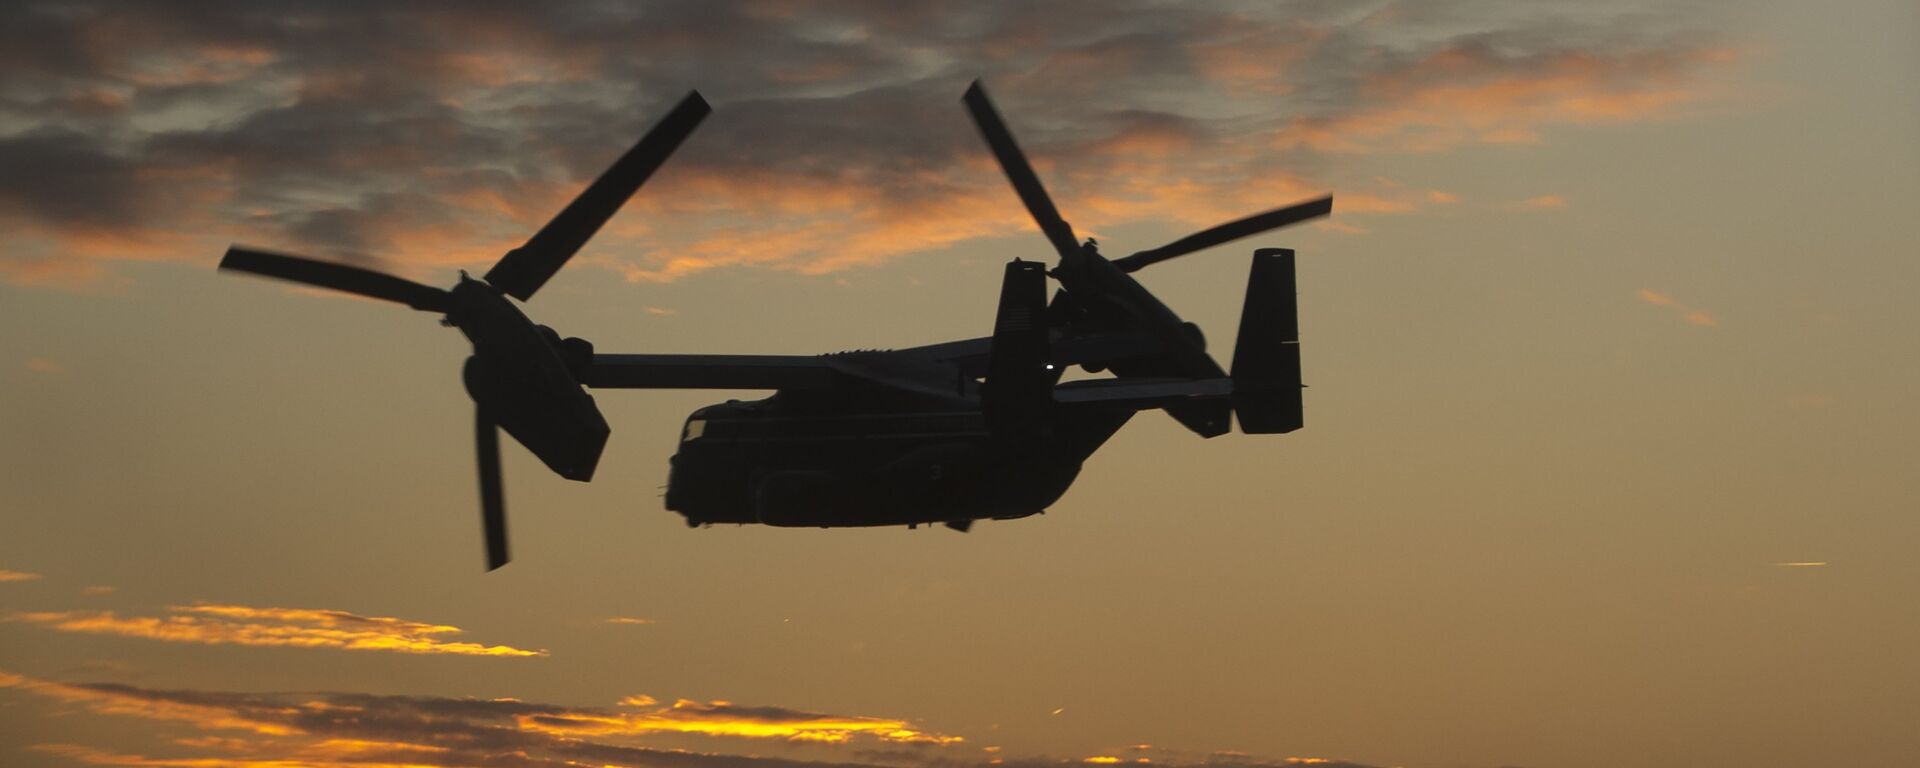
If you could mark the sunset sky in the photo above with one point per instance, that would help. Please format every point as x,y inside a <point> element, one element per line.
<point>1610,456</point>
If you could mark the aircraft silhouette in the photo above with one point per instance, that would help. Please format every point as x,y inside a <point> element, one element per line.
<point>947,433</point>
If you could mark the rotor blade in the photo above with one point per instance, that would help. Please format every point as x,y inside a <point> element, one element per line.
<point>523,270</point>
<point>340,277</point>
<point>1014,163</point>
<point>1233,230</point>
<point>493,502</point>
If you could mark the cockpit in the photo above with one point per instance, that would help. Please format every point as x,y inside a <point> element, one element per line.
<point>716,420</point>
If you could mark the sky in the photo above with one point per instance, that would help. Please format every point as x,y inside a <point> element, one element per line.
<point>1609,444</point>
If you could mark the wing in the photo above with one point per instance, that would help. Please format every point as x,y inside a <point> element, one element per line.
<point>710,372</point>
<point>822,372</point>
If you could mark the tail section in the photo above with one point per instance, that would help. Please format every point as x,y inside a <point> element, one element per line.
<point>1266,359</point>
<point>1019,386</point>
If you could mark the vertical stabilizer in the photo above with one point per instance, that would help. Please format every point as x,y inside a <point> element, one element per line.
<point>1266,358</point>
<point>1019,386</point>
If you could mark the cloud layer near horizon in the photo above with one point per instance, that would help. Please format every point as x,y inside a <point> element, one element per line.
<point>329,729</point>
<point>216,624</point>
<point>442,134</point>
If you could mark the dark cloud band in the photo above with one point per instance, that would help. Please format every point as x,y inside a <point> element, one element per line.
<point>441,134</point>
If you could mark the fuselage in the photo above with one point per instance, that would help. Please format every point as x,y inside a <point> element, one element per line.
<point>805,461</point>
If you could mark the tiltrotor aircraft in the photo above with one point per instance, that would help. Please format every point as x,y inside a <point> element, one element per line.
<point>947,433</point>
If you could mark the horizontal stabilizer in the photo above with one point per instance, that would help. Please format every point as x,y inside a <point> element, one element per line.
<point>1142,393</point>
<point>1266,359</point>
<point>710,372</point>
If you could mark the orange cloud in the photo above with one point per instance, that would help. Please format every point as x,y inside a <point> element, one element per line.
<point>45,366</point>
<point>214,624</point>
<point>1339,226</point>
<point>1689,315</point>
<point>720,718</point>
<point>325,730</point>
<point>358,730</point>
<point>121,700</point>
<point>1543,202</point>
<point>55,272</point>
<point>795,223</point>
<point>1258,58</point>
<point>1473,95</point>
<point>628,619</point>
<point>6,575</point>
<point>332,753</point>
<point>1148,754</point>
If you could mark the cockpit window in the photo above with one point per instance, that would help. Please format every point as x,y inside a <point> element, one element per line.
<point>695,428</point>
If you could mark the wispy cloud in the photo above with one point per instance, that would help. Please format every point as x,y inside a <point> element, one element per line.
<point>329,729</point>
<point>1700,317</point>
<point>1687,314</point>
<point>343,730</point>
<point>721,718</point>
<point>216,624</point>
<point>6,575</point>
<point>1543,202</point>
<point>1148,754</point>
<point>1501,86</point>
<point>45,366</point>
<point>823,154</point>
<point>629,620</point>
<point>1802,564</point>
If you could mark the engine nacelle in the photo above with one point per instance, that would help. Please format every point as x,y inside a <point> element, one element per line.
<point>521,381</point>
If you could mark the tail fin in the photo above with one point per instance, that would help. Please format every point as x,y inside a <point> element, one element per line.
<point>1266,359</point>
<point>1019,387</point>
